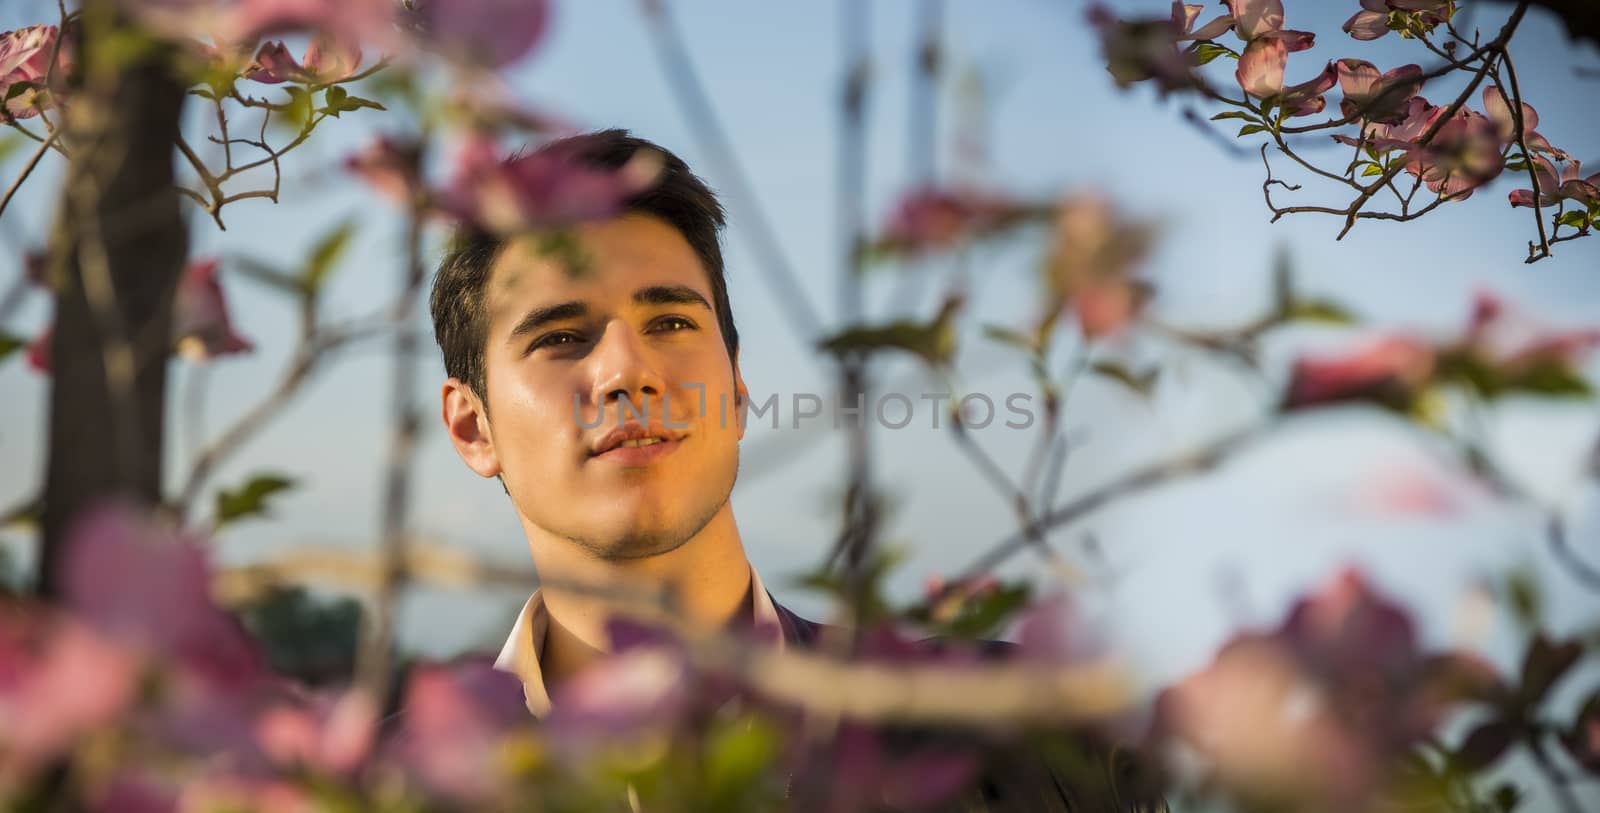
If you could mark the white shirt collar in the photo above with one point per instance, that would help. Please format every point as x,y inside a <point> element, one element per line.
<point>520,655</point>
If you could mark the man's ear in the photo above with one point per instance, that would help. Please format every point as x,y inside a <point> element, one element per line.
<point>741,395</point>
<point>467,423</point>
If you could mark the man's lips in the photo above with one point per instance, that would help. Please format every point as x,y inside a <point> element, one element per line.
<point>635,444</point>
<point>642,455</point>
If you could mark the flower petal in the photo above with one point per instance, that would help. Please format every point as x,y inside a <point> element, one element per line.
<point>1260,71</point>
<point>1367,25</point>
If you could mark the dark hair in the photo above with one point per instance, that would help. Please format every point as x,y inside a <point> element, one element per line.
<point>678,197</point>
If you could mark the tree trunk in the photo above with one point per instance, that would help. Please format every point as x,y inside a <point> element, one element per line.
<point>118,251</point>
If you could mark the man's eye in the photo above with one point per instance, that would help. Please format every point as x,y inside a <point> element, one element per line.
<point>674,320</point>
<point>554,340</point>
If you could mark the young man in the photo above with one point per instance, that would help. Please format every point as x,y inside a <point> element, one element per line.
<point>608,400</point>
<point>602,386</point>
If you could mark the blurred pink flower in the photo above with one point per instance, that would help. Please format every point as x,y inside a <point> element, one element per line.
<point>867,774</point>
<point>1410,123</point>
<point>325,60</point>
<point>1463,155</point>
<point>1513,341</point>
<point>929,219</point>
<point>391,165</point>
<point>348,21</point>
<point>25,59</point>
<point>1093,256</point>
<point>455,720</point>
<point>1317,709</point>
<point>488,33</point>
<point>1498,108</point>
<point>1390,370</point>
<point>637,695</point>
<point>1372,21</point>
<point>147,585</point>
<point>1142,49</point>
<point>59,681</point>
<point>329,735</point>
<point>1184,16</point>
<point>200,323</point>
<point>1558,185</point>
<point>547,188</point>
<point>1377,97</point>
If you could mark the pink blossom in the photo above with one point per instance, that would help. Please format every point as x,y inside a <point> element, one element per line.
<point>1374,96</point>
<point>930,219</point>
<point>455,721</point>
<point>1139,50</point>
<point>349,21</point>
<point>1558,185</point>
<point>548,188</point>
<point>1315,709</point>
<point>1091,264</point>
<point>331,735</point>
<point>1512,340</point>
<point>1372,21</point>
<point>1463,155</point>
<point>867,774</point>
<point>1184,16</point>
<point>59,681</point>
<point>391,165</point>
<point>200,323</point>
<point>1260,74</point>
<point>637,695</point>
<point>25,59</point>
<point>148,585</point>
<point>1498,108</point>
<point>490,33</point>
<point>325,60</point>
<point>1390,371</point>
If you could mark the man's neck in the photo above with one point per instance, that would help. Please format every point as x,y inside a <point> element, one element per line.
<point>707,579</point>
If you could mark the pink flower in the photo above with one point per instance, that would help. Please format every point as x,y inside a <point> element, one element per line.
<point>1498,108</point>
<point>1372,21</point>
<point>1390,371</point>
<point>455,721</point>
<point>548,188</point>
<point>332,736</point>
<point>325,60</point>
<point>1373,96</point>
<point>1514,342</point>
<point>59,681</point>
<point>490,33</point>
<point>348,21</point>
<point>1184,16</point>
<point>148,586</point>
<point>867,774</point>
<point>1556,186</point>
<point>1463,155</point>
<point>1139,50</point>
<point>1260,74</point>
<point>390,165</point>
<point>1316,709</point>
<point>638,696</point>
<point>200,321</point>
<point>1091,264</point>
<point>930,219</point>
<point>25,59</point>
<point>201,329</point>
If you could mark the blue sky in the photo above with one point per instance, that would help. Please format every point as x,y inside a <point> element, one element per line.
<point>1184,565</point>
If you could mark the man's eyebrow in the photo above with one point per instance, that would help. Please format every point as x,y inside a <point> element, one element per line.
<point>670,295</point>
<point>539,317</point>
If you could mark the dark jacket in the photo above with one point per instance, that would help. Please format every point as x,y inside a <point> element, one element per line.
<point>1095,777</point>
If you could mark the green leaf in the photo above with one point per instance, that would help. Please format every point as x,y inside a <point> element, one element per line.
<point>1371,170</point>
<point>10,344</point>
<point>1142,383</point>
<point>1250,129</point>
<point>1234,114</point>
<point>1516,166</point>
<point>933,341</point>
<point>9,143</point>
<point>1015,338</point>
<point>324,256</point>
<point>1283,296</point>
<point>1550,377</point>
<point>298,112</point>
<point>984,616</point>
<point>1544,665</point>
<point>1576,219</point>
<point>351,103</point>
<point>250,500</point>
<point>1320,310</point>
<point>736,754</point>
<point>1205,52</point>
<point>335,96</point>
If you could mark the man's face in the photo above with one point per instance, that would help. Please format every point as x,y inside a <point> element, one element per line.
<point>575,361</point>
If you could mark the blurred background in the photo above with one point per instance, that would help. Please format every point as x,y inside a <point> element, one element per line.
<point>1024,105</point>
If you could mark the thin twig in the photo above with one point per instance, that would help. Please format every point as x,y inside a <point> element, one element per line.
<point>27,169</point>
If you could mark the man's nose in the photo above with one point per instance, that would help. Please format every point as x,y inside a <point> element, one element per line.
<point>624,367</point>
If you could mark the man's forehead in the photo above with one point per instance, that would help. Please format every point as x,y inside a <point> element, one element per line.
<point>593,263</point>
